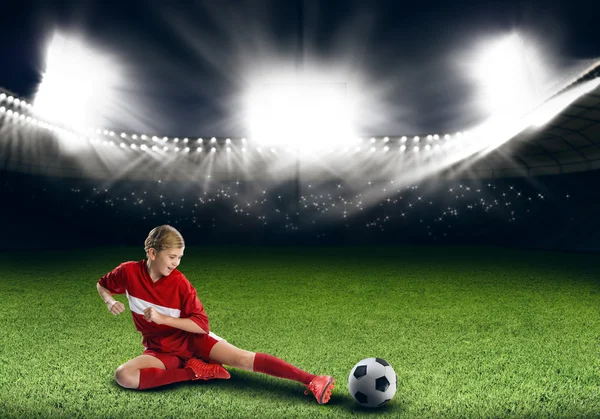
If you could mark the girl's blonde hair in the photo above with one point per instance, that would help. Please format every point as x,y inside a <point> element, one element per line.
<point>163,237</point>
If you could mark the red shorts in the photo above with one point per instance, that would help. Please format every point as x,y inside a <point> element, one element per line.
<point>202,345</point>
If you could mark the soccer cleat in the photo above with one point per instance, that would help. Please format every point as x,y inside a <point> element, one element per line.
<point>205,371</point>
<point>321,386</point>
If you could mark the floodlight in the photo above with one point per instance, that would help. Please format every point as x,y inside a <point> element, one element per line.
<point>510,73</point>
<point>76,85</point>
<point>300,113</point>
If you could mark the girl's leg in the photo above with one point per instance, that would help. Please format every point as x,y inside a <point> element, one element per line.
<point>147,371</point>
<point>225,353</point>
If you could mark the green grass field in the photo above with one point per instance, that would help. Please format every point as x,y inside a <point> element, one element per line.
<point>470,332</point>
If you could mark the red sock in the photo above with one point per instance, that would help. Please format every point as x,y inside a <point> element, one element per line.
<point>155,377</point>
<point>276,367</point>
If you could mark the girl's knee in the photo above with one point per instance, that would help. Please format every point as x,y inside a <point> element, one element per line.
<point>127,377</point>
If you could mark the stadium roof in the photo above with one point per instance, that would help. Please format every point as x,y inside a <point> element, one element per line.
<point>568,143</point>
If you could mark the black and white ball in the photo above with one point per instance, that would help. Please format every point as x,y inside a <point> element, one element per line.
<point>372,382</point>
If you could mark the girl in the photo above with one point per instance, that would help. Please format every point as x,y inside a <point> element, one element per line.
<point>179,345</point>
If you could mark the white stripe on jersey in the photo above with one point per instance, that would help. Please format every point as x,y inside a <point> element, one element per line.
<point>137,305</point>
<point>215,336</point>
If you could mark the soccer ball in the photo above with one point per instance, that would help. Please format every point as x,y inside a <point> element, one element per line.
<point>372,382</point>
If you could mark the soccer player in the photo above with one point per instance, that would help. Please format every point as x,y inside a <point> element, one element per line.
<point>179,345</point>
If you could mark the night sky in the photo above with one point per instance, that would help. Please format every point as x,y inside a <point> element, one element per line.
<point>187,61</point>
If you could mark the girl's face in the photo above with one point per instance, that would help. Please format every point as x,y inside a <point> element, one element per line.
<point>166,260</point>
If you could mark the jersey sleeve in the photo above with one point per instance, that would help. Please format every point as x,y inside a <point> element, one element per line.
<point>115,280</point>
<point>193,308</point>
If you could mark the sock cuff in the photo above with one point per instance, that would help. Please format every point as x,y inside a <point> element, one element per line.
<point>259,362</point>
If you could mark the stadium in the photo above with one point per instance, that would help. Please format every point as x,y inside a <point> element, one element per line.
<point>465,258</point>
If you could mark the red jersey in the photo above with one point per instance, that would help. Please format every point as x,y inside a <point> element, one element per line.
<point>172,295</point>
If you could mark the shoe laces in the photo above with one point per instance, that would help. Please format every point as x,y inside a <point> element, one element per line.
<point>310,387</point>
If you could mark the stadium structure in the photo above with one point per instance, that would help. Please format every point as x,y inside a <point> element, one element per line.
<point>528,185</point>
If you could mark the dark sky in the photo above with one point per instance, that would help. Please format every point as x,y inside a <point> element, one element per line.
<point>187,60</point>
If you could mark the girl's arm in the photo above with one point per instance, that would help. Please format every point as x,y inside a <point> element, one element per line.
<point>114,306</point>
<point>179,323</point>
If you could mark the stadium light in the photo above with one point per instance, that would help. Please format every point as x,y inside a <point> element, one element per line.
<point>76,85</point>
<point>300,114</point>
<point>508,73</point>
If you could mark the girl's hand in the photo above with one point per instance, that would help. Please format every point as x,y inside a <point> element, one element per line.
<point>151,315</point>
<point>115,307</point>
